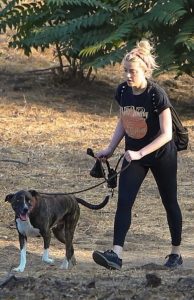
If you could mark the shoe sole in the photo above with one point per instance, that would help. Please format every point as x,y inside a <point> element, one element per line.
<point>174,267</point>
<point>102,261</point>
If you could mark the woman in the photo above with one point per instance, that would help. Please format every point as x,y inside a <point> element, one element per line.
<point>146,124</point>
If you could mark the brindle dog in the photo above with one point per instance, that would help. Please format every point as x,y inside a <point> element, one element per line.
<point>38,213</point>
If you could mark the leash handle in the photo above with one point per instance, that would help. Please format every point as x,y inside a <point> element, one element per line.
<point>108,165</point>
<point>118,162</point>
<point>98,170</point>
<point>90,152</point>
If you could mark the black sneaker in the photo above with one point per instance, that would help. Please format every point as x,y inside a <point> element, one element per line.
<point>108,259</point>
<point>174,261</point>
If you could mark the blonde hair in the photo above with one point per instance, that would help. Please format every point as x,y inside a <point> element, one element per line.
<point>142,54</point>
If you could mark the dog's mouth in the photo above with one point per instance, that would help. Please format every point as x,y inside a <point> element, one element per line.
<point>23,217</point>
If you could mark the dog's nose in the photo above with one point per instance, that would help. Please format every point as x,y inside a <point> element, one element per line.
<point>25,210</point>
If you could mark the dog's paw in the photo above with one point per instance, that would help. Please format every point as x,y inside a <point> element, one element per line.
<point>73,260</point>
<point>65,264</point>
<point>19,269</point>
<point>68,265</point>
<point>49,261</point>
<point>46,259</point>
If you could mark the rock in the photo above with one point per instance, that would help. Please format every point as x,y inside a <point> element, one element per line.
<point>153,280</point>
<point>185,283</point>
<point>91,284</point>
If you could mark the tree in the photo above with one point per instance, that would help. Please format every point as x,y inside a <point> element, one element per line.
<point>94,33</point>
<point>40,24</point>
<point>171,24</point>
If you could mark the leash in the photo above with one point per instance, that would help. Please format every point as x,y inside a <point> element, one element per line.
<point>111,176</point>
<point>76,192</point>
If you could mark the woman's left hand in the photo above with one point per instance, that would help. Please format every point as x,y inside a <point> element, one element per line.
<point>132,155</point>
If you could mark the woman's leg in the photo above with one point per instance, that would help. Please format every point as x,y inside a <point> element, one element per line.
<point>129,183</point>
<point>165,174</point>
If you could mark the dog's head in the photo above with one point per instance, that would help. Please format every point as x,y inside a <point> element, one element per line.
<point>22,203</point>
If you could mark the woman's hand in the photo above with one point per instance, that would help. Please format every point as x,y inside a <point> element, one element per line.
<point>132,155</point>
<point>105,153</point>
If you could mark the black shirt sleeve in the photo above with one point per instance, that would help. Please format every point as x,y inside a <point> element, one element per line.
<point>160,99</point>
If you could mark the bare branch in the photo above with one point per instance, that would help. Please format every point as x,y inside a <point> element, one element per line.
<point>14,161</point>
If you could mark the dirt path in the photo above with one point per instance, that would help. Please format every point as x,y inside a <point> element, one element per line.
<point>145,248</point>
<point>46,130</point>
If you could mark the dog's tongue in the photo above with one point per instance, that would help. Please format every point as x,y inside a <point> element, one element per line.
<point>23,217</point>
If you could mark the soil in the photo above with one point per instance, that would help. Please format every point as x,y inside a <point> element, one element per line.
<point>46,128</point>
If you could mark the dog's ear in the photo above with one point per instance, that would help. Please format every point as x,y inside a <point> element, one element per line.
<point>33,193</point>
<point>9,197</point>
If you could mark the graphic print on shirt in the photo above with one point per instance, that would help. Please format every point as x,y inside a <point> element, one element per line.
<point>134,121</point>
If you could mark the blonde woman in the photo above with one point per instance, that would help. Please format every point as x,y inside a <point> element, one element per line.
<point>148,146</point>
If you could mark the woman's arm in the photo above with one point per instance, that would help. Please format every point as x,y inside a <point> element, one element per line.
<point>165,136</point>
<point>117,136</point>
<point>115,140</point>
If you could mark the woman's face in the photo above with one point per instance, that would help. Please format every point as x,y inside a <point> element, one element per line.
<point>135,73</point>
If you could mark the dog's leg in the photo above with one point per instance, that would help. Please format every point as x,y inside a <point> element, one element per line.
<point>70,225</point>
<point>59,232</point>
<point>47,238</point>
<point>23,242</point>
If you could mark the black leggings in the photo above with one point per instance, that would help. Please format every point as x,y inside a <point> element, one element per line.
<point>164,170</point>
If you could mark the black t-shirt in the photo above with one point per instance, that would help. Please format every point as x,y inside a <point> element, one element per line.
<point>140,117</point>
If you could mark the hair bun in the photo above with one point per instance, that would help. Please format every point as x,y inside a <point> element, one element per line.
<point>144,47</point>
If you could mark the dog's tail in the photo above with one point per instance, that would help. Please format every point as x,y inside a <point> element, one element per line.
<point>94,206</point>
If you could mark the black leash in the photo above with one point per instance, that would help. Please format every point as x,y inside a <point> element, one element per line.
<point>111,180</point>
<point>77,192</point>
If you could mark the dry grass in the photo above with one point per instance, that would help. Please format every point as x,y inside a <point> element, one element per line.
<point>48,127</point>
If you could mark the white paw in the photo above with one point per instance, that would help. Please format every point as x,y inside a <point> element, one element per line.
<point>68,265</point>
<point>49,261</point>
<point>19,269</point>
<point>65,265</point>
<point>46,259</point>
<point>73,260</point>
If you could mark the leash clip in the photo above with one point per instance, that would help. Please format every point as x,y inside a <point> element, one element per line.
<point>112,192</point>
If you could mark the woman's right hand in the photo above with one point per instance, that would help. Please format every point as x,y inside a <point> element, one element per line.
<point>105,153</point>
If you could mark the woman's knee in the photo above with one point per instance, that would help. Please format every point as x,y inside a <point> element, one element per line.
<point>125,203</point>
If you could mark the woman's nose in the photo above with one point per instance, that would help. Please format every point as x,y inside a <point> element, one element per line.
<point>128,75</point>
